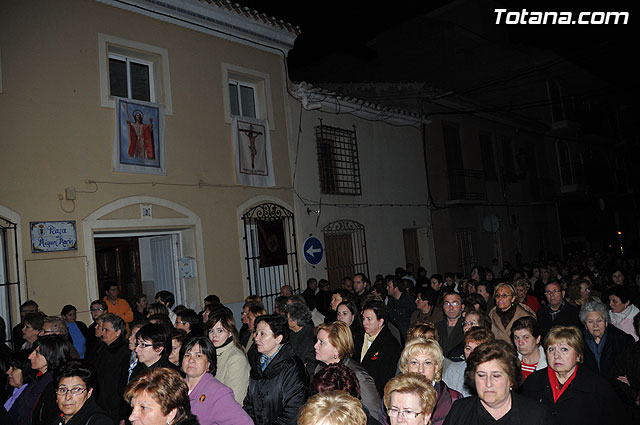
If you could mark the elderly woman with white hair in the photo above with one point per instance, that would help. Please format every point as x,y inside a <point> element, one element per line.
<point>602,341</point>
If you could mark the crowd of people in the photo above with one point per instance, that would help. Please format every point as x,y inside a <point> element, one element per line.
<point>548,343</point>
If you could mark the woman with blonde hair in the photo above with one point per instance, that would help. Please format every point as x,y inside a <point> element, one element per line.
<point>409,398</point>
<point>426,358</point>
<point>425,330</point>
<point>572,393</point>
<point>507,310</point>
<point>332,408</point>
<point>335,345</point>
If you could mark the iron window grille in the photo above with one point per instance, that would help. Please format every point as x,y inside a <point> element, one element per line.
<point>9,272</point>
<point>267,281</point>
<point>338,164</point>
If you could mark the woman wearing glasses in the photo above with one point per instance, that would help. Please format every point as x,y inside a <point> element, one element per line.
<point>233,367</point>
<point>75,381</point>
<point>153,346</point>
<point>409,399</point>
<point>493,370</point>
<point>507,311</point>
<point>425,357</point>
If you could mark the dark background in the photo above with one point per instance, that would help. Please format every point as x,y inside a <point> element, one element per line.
<point>344,28</point>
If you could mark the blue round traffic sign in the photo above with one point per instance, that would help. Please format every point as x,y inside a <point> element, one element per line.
<point>312,250</point>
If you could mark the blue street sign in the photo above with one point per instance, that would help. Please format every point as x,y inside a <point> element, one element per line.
<point>312,250</point>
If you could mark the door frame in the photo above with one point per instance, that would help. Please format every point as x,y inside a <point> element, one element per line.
<point>95,224</point>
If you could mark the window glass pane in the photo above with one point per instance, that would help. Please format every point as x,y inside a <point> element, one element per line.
<point>140,88</point>
<point>247,101</point>
<point>233,97</point>
<point>118,78</point>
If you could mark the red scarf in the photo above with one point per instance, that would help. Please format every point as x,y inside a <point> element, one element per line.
<point>555,385</point>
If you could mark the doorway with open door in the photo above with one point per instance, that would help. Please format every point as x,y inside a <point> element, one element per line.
<point>139,262</point>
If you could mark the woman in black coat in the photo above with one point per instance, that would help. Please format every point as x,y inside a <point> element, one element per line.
<point>625,376</point>
<point>278,384</point>
<point>493,371</point>
<point>381,357</point>
<point>37,402</point>
<point>74,383</point>
<point>572,393</point>
<point>112,365</point>
<point>603,342</point>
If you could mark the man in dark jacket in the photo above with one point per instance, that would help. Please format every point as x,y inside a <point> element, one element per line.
<point>401,305</point>
<point>557,311</point>
<point>309,294</point>
<point>323,297</point>
<point>450,327</point>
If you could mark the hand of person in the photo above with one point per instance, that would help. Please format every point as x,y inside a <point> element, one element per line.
<point>624,380</point>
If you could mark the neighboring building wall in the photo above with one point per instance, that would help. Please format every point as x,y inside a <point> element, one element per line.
<point>55,134</point>
<point>527,222</point>
<point>393,181</point>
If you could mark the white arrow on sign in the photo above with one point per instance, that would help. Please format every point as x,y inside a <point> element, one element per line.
<point>313,251</point>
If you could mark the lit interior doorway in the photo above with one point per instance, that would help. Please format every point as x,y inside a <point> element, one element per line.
<point>139,262</point>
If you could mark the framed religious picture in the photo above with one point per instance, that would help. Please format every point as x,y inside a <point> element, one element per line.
<point>252,145</point>
<point>138,145</point>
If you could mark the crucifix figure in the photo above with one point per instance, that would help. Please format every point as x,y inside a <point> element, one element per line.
<point>252,135</point>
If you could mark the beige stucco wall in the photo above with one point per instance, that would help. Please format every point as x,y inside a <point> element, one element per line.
<point>54,134</point>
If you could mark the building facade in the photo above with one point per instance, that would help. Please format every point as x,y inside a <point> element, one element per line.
<point>361,185</point>
<point>143,143</point>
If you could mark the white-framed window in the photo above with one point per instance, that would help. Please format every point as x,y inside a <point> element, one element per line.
<point>131,77</point>
<point>246,93</point>
<point>133,70</point>
<point>243,98</point>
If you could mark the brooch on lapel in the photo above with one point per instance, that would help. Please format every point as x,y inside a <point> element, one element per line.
<point>203,398</point>
<point>375,356</point>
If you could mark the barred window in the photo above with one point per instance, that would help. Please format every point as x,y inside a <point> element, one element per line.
<point>338,164</point>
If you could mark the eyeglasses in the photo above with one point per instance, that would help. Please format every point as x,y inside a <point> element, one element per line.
<point>141,344</point>
<point>394,412</point>
<point>182,322</point>
<point>97,309</point>
<point>553,292</point>
<point>75,391</point>
<point>470,323</point>
<point>454,304</point>
<point>503,296</point>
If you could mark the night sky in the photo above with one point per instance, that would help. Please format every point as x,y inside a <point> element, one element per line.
<point>343,27</point>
